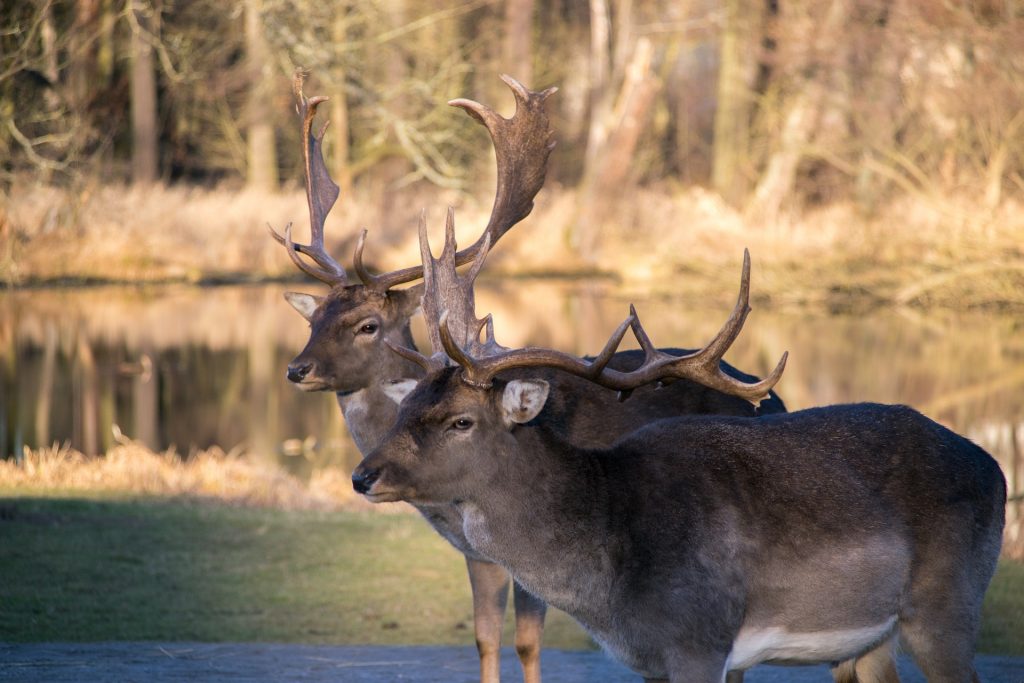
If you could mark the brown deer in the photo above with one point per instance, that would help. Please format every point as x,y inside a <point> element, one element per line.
<point>350,327</point>
<point>346,351</point>
<point>703,545</point>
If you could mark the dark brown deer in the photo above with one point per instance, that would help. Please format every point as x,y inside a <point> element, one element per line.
<point>702,545</point>
<point>347,350</point>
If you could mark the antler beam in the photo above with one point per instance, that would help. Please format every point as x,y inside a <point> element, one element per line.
<point>321,194</point>
<point>702,366</point>
<point>522,146</point>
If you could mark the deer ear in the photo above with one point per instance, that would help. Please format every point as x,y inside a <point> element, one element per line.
<point>305,304</point>
<point>523,400</point>
<point>408,300</point>
<point>398,389</point>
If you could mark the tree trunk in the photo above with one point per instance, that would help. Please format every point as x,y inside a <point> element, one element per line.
<point>581,237</point>
<point>87,390</point>
<point>48,39</point>
<point>739,43</point>
<point>612,164</point>
<point>143,95</point>
<point>394,167</point>
<point>82,55</point>
<point>44,399</point>
<point>146,401</point>
<point>518,52</point>
<point>800,123</point>
<point>628,119</point>
<point>340,163</point>
<point>262,166</point>
<point>732,114</point>
<point>600,100</point>
<point>106,51</point>
<point>625,38</point>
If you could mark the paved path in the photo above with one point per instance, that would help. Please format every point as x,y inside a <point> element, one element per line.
<point>267,663</point>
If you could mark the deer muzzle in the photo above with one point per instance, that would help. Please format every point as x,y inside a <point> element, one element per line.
<point>363,479</point>
<point>297,371</point>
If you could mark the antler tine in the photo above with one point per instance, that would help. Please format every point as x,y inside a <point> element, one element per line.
<point>702,366</point>
<point>431,303</point>
<point>357,263</point>
<point>444,290</point>
<point>732,327</point>
<point>456,353</point>
<point>329,277</point>
<point>480,371</point>
<point>649,349</point>
<point>522,146</point>
<point>430,364</point>
<point>321,193</point>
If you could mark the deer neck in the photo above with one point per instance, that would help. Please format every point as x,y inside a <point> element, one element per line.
<point>542,513</point>
<point>369,414</point>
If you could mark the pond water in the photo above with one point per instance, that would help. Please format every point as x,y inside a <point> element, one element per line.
<point>195,367</point>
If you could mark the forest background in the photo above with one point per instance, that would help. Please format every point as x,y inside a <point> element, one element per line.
<point>865,150</point>
<point>870,153</point>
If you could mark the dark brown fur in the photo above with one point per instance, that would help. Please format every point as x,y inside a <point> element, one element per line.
<point>667,544</point>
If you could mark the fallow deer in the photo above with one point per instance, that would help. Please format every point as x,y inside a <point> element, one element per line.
<point>703,545</point>
<point>346,351</point>
<point>350,327</point>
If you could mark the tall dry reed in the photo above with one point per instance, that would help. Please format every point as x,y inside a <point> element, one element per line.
<point>129,467</point>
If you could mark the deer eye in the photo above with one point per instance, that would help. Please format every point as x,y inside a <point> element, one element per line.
<point>462,424</point>
<point>368,328</point>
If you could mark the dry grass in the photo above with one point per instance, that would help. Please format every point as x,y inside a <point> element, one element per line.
<point>131,468</point>
<point>946,252</point>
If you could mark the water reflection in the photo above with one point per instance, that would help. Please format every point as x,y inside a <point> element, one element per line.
<point>194,367</point>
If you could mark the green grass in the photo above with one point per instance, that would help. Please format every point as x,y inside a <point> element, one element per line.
<point>1002,619</point>
<point>149,569</point>
<point>146,569</point>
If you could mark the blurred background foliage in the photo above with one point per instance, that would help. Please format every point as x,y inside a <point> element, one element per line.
<point>775,105</point>
<point>869,152</point>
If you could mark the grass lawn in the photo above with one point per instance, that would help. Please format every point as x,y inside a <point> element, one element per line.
<point>152,569</point>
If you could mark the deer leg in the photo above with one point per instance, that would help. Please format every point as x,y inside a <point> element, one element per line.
<point>942,646</point>
<point>731,677</point>
<point>703,667</point>
<point>878,665</point>
<point>944,613</point>
<point>875,666</point>
<point>489,583</point>
<point>530,612</point>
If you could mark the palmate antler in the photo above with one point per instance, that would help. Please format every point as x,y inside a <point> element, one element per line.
<point>482,362</point>
<point>321,194</point>
<point>522,146</point>
<point>448,294</point>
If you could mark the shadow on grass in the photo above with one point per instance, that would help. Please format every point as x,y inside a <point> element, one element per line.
<point>174,570</point>
<point>177,570</point>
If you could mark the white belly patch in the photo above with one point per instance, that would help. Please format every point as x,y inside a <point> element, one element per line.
<point>774,644</point>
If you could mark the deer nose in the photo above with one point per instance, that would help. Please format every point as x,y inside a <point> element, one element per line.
<point>362,480</point>
<point>298,371</point>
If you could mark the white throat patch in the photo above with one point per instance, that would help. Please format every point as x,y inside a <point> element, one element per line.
<point>398,389</point>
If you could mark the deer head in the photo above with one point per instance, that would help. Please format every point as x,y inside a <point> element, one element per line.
<point>349,326</point>
<point>460,418</point>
